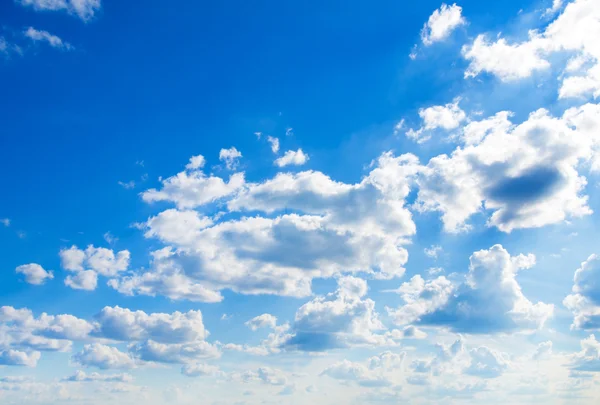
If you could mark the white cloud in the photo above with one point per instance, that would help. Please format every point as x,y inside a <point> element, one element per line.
<point>200,370</point>
<point>110,238</point>
<point>490,299</point>
<point>123,324</point>
<point>129,185</point>
<point>192,188</point>
<point>230,157</point>
<point>371,375</point>
<point>487,363</point>
<point>88,263</point>
<point>585,300</point>
<point>292,158</point>
<point>5,221</point>
<point>179,353</point>
<point>18,358</point>
<point>588,359</point>
<point>420,297</point>
<point>525,175</point>
<point>574,31</point>
<point>441,23</point>
<point>103,357</point>
<point>84,9</point>
<point>34,273</point>
<point>274,142</point>
<point>508,62</point>
<point>265,375</point>
<point>45,36</point>
<point>433,251</point>
<point>340,319</point>
<point>262,321</point>
<point>543,351</point>
<point>338,228</point>
<point>82,280</point>
<point>446,117</point>
<point>196,162</point>
<point>81,376</point>
<point>101,260</point>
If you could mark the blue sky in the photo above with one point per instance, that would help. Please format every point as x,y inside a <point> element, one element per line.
<point>299,201</point>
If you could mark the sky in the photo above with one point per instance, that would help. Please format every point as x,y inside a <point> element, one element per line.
<point>299,202</point>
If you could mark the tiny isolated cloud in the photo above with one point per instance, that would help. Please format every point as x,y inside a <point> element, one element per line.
<point>84,9</point>
<point>292,158</point>
<point>230,157</point>
<point>441,24</point>
<point>274,142</point>
<point>5,221</point>
<point>196,162</point>
<point>34,273</point>
<point>44,36</point>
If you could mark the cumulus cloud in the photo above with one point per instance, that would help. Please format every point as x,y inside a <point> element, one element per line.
<point>179,353</point>
<point>335,227</point>
<point>45,36</point>
<point>34,273</point>
<point>123,324</point>
<point>525,175</point>
<point>573,31</point>
<point>81,376</point>
<point>230,157</point>
<point>584,302</point>
<point>88,263</point>
<point>193,188</point>
<point>441,24</point>
<point>103,357</point>
<point>446,117</point>
<point>487,363</point>
<point>588,359</point>
<point>341,319</point>
<point>490,299</point>
<point>262,321</point>
<point>200,370</point>
<point>292,158</point>
<point>349,371</point>
<point>84,9</point>
<point>18,358</point>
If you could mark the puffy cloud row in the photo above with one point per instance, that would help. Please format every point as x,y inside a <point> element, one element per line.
<point>157,337</point>
<point>89,263</point>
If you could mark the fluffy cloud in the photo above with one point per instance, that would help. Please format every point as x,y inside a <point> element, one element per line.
<point>18,358</point>
<point>83,280</point>
<point>262,321</point>
<point>103,357</point>
<point>34,273</point>
<point>588,359</point>
<point>487,363</point>
<point>585,300</point>
<point>489,300</point>
<point>200,369</point>
<point>230,157</point>
<point>126,325</point>
<point>340,319</point>
<point>88,263</point>
<point>350,371</point>
<point>265,375</point>
<point>84,9</point>
<point>420,297</point>
<point>45,36</point>
<point>193,188</point>
<point>441,23</point>
<point>292,158</point>
<point>151,351</point>
<point>335,227</point>
<point>574,31</point>
<point>526,175</point>
<point>446,117</point>
<point>81,376</point>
